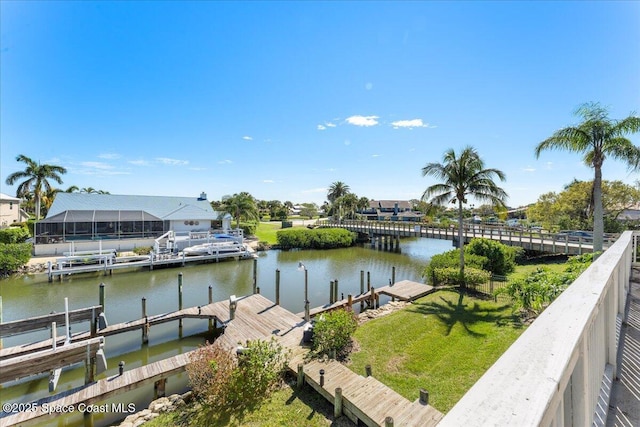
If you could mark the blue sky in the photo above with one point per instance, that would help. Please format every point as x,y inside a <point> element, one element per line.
<point>281,99</point>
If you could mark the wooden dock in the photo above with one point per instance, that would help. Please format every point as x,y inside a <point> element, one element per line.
<point>151,262</point>
<point>404,290</point>
<point>256,318</point>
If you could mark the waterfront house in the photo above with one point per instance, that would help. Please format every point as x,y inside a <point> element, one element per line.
<point>391,210</point>
<point>121,222</point>
<point>10,211</point>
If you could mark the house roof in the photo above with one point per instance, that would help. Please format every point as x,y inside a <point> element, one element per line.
<point>9,198</point>
<point>162,207</point>
<point>389,204</point>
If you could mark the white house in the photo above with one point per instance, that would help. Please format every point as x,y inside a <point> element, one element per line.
<point>121,222</point>
<point>10,210</point>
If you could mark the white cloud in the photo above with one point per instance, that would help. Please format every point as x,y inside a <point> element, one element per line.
<point>109,156</point>
<point>409,124</point>
<point>330,125</point>
<point>529,169</point>
<point>375,155</point>
<point>96,165</point>
<point>139,162</point>
<point>363,120</point>
<point>171,162</point>
<point>247,138</point>
<point>225,162</point>
<point>315,190</point>
<point>320,127</point>
<point>268,181</point>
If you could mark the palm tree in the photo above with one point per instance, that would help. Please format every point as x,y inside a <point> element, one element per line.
<point>241,205</point>
<point>37,178</point>
<point>337,189</point>
<point>597,138</point>
<point>463,176</point>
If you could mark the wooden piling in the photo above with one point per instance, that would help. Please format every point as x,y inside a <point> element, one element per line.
<point>337,403</point>
<point>101,297</point>
<point>210,302</point>
<point>388,422</point>
<point>255,275</point>
<point>145,328</point>
<point>393,275</point>
<point>159,388</point>
<point>300,382</point>
<point>367,370</point>
<point>331,300</point>
<point>180,303</point>
<point>277,287</point>
<point>424,396</point>
<point>361,288</point>
<point>349,302</point>
<point>335,290</point>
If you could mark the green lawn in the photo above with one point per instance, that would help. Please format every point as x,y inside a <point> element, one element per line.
<point>286,407</point>
<point>443,343</point>
<point>266,231</point>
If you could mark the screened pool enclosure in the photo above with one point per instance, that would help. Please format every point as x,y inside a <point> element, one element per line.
<point>75,225</point>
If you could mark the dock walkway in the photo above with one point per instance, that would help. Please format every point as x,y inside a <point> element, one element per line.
<point>255,317</point>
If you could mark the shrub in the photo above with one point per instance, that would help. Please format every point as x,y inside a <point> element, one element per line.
<point>534,293</point>
<point>248,228</point>
<point>450,259</point>
<point>13,235</point>
<point>13,256</point>
<point>451,276</point>
<point>318,238</point>
<point>142,250</point>
<point>226,382</point>
<point>500,258</point>
<point>332,332</point>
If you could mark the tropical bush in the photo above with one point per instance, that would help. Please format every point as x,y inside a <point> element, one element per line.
<point>332,332</point>
<point>14,235</point>
<point>500,259</point>
<point>142,250</point>
<point>471,278</point>
<point>226,382</point>
<point>13,256</point>
<point>248,228</point>
<point>450,260</point>
<point>535,292</point>
<point>319,238</point>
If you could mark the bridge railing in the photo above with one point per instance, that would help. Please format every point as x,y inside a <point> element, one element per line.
<point>559,371</point>
<point>534,240</point>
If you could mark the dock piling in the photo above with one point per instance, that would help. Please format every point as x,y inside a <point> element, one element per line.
<point>145,329</point>
<point>180,303</point>
<point>277,287</point>
<point>337,403</point>
<point>255,275</point>
<point>210,302</point>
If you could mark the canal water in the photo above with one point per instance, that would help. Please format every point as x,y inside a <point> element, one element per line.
<point>33,295</point>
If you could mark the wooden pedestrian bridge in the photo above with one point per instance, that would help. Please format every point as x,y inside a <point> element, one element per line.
<point>386,234</point>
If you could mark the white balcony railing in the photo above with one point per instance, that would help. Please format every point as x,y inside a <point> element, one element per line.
<point>559,372</point>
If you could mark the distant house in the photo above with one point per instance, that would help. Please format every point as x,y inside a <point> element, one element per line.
<point>391,210</point>
<point>10,211</point>
<point>123,222</point>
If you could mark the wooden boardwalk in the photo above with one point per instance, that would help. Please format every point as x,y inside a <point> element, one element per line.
<point>404,290</point>
<point>255,317</point>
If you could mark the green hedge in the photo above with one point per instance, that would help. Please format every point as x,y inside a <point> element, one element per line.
<point>13,235</point>
<point>13,256</point>
<point>319,238</point>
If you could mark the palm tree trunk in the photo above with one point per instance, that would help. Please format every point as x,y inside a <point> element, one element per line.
<point>461,243</point>
<point>598,213</point>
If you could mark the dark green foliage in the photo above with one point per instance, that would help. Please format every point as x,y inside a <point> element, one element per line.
<point>248,228</point>
<point>534,293</point>
<point>319,238</point>
<point>332,332</point>
<point>13,235</point>
<point>500,258</point>
<point>450,259</point>
<point>13,256</point>
<point>451,276</point>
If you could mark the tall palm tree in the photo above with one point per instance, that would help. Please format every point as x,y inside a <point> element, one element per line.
<point>337,189</point>
<point>462,176</point>
<point>241,205</point>
<point>36,181</point>
<point>596,138</point>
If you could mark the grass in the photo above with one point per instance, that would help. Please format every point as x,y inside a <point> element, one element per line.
<point>443,343</point>
<point>286,407</point>
<point>266,231</point>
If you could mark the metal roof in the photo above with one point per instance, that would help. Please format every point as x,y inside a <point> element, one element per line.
<point>162,207</point>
